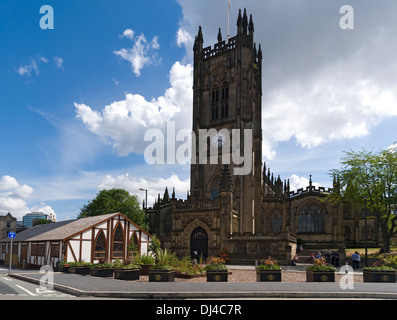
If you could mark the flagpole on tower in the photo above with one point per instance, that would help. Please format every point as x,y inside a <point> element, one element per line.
<point>228,20</point>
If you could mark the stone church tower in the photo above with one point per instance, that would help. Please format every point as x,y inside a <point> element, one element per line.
<point>223,210</point>
<point>227,96</point>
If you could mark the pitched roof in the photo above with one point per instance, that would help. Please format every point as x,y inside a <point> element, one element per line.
<point>59,230</point>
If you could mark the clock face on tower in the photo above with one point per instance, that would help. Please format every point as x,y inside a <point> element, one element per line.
<point>218,140</point>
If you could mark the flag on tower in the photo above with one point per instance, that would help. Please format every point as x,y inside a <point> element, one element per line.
<point>228,20</point>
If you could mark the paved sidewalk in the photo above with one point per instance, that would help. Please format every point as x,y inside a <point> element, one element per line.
<point>84,286</point>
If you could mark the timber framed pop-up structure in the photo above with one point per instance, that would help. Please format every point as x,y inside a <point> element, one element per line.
<point>94,239</point>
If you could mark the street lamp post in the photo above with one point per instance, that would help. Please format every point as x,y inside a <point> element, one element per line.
<point>141,189</point>
<point>365,232</point>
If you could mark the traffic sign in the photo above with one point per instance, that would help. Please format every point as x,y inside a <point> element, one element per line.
<point>12,235</point>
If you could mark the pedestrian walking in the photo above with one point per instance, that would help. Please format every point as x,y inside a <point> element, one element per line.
<point>335,258</point>
<point>328,256</point>
<point>356,258</point>
<point>295,260</point>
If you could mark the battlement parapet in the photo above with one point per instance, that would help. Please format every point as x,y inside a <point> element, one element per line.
<point>311,190</point>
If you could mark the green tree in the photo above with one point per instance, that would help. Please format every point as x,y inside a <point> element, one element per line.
<point>114,201</point>
<point>371,178</point>
<point>40,221</point>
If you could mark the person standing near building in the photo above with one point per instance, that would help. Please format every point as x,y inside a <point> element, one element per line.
<point>356,258</point>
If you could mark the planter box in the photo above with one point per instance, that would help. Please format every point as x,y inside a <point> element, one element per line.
<point>80,270</point>
<point>104,273</point>
<point>217,276</point>
<point>268,275</point>
<point>320,276</point>
<point>188,276</point>
<point>126,274</point>
<point>385,276</point>
<point>63,268</point>
<point>161,275</point>
<point>145,269</point>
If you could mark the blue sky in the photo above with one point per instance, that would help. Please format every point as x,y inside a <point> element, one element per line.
<point>76,100</point>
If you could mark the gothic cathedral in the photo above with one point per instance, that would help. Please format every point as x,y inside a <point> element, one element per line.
<point>253,215</point>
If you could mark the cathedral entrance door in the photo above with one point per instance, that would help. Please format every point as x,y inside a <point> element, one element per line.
<point>199,244</point>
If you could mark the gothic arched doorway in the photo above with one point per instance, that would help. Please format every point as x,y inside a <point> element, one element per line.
<point>199,243</point>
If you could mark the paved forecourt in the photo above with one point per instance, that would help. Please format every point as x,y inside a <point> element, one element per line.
<point>103,287</point>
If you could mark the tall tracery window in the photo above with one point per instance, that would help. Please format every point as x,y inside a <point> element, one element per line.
<point>118,242</point>
<point>225,101</point>
<point>215,103</point>
<point>100,247</point>
<point>276,222</point>
<point>215,190</point>
<point>311,218</point>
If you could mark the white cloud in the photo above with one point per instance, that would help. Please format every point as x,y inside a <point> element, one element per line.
<point>297,182</point>
<point>141,54</point>
<point>14,198</point>
<point>393,147</point>
<point>28,69</point>
<point>33,66</point>
<point>123,123</point>
<point>42,207</point>
<point>58,62</point>
<point>128,33</point>
<point>184,38</point>
<point>154,186</point>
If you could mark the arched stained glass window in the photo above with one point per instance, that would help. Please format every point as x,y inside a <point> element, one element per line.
<point>311,218</point>
<point>118,243</point>
<point>100,247</point>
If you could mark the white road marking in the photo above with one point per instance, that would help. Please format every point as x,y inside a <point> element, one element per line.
<point>26,290</point>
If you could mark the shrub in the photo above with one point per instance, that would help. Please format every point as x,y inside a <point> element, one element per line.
<point>105,265</point>
<point>80,264</point>
<point>390,261</point>
<point>144,259</point>
<point>165,257</point>
<point>187,267</point>
<point>387,264</point>
<point>128,266</point>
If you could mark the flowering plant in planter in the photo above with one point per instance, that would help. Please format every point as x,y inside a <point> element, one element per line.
<point>215,263</point>
<point>268,270</point>
<point>321,265</point>
<point>225,256</point>
<point>216,269</point>
<point>320,271</point>
<point>268,264</point>
<point>381,271</point>
<point>186,268</point>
